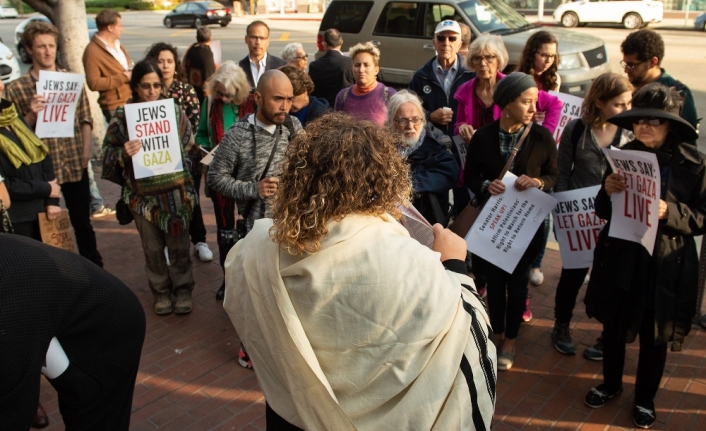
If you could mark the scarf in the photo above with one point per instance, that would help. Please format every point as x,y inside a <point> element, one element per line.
<point>362,91</point>
<point>217,121</point>
<point>405,150</point>
<point>34,149</point>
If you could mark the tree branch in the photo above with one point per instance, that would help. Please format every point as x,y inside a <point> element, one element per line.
<point>44,7</point>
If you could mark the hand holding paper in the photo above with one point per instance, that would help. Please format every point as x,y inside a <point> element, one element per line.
<point>133,147</point>
<point>614,184</point>
<point>450,245</point>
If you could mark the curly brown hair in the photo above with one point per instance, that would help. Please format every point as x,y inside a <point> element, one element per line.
<point>301,82</point>
<point>338,166</point>
<point>548,79</point>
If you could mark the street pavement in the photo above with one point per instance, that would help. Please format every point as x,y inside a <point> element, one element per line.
<point>189,377</point>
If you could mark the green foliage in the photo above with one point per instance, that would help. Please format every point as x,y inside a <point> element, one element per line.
<point>95,6</point>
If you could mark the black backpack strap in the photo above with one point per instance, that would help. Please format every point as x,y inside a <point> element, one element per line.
<point>579,128</point>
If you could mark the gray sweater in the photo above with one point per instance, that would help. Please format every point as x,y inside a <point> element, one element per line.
<point>238,163</point>
<point>582,164</point>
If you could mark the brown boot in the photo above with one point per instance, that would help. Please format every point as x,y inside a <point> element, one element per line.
<point>40,420</point>
<point>183,302</point>
<point>162,303</point>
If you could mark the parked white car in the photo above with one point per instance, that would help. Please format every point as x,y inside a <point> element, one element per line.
<point>9,66</point>
<point>632,14</point>
<point>8,12</point>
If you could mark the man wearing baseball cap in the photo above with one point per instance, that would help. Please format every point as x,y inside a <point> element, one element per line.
<point>436,83</point>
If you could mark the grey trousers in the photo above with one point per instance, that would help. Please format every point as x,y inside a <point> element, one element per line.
<point>158,273</point>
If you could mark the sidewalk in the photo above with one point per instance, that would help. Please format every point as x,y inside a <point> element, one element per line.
<point>190,379</point>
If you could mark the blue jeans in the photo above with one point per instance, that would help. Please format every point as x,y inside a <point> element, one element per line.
<point>96,198</point>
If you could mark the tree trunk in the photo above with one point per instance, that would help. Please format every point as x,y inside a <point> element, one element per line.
<point>69,16</point>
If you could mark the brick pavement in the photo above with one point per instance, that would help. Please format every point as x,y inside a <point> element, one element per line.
<point>189,377</point>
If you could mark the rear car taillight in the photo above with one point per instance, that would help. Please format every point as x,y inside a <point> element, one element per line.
<point>210,12</point>
<point>227,11</point>
<point>320,42</point>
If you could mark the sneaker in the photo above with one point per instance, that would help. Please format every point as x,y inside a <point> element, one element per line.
<point>243,358</point>
<point>643,417</point>
<point>103,211</point>
<point>595,352</point>
<point>561,335</point>
<point>505,359</point>
<point>162,304</point>
<point>527,315</point>
<point>536,276</point>
<point>203,252</point>
<point>166,254</point>
<point>598,396</point>
<point>183,302</point>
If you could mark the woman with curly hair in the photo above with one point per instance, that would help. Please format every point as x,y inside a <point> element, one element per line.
<point>349,322</point>
<point>229,101</point>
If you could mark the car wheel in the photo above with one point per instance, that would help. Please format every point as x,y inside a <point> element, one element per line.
<point>224,24</point>
<point>168,23</point>
<point>569,19</point>
<point>198,22</point>
<point>632,21</point>
<point>24,55</point>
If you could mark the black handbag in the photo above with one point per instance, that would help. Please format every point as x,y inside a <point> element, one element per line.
<point>123,213</point>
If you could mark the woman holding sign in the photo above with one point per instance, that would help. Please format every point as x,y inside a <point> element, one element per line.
<point>535,166</point>
<point>582,164</point>
<point>162,205</point>
<point>651,293</point>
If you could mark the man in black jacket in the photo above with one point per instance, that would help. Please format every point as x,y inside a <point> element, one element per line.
<point>258,61</point>
<point>333,72</point>
<point>66,318</point>
<point>436,83</point>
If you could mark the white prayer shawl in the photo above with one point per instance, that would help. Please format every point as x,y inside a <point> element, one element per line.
<point>370,333</point>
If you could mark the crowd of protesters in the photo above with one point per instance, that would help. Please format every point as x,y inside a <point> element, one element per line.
<point>310,165</point>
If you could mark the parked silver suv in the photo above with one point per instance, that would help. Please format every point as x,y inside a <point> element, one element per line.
<point>403,30</point>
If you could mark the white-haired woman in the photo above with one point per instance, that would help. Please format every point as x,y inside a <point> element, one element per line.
<point>367,98</point>
<point>295,55</point>
<point>434,170</point>
<point>228,101</point>
<point>487,56</point>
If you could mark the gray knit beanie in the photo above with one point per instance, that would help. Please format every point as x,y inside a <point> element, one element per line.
<point>510,87</point>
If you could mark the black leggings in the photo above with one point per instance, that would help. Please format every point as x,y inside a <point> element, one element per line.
<point>567,290</point>
<point>224,209</point>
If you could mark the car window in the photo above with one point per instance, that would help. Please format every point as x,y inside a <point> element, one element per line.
<point>398,19</point>
<point>192,7</point>
<point>214,5</point>
<point>437,13</point>
<point>181,8</point>
<point>346,17</point>
<point>494,16</point>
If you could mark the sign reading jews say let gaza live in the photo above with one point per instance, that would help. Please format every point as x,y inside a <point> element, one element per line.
<point>154,123</point>
<point>61,92</point>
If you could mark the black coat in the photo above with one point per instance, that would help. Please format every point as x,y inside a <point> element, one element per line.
<point>28,185</point>
<point>626,280</point>
<point>317,108</point>
<point>272,62</point>
<point>331,73</point>
<point>46,292</point>
<point>536,159</point>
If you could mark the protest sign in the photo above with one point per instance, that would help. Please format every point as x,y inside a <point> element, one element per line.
<point>462,150</point>
<point>56,232</point>
<point>417,226</point>
<point>62,91</point>
<point>577,226</point>
<point>507,224</point>
<point>636,210</point>
<point>154,123</point>
<point>215,46</point>
<point>570,111</point>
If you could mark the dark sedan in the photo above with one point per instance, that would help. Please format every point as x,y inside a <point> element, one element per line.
<point>196,14</point>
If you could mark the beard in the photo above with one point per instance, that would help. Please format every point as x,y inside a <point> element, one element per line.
<point>410,141</point>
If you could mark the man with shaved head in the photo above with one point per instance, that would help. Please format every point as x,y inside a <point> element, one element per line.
<point>248,162</point>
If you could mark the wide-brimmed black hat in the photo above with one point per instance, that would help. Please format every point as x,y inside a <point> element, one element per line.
<point>677,124</point>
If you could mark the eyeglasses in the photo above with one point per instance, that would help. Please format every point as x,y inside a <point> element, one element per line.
<point>441,38</point>
<point>404,122</point>
<point>547,57</point>
<point>487,58</point>
<point>630,66</point>
<point>301,57</point>
<point>652,121</point>
<point>147,85</point>
<point>221,94</point>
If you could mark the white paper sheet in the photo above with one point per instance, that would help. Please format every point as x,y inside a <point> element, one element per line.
<point>62,91</point>
<point>507,224</point>
<point>577,226</point>
<point>418,227</point>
